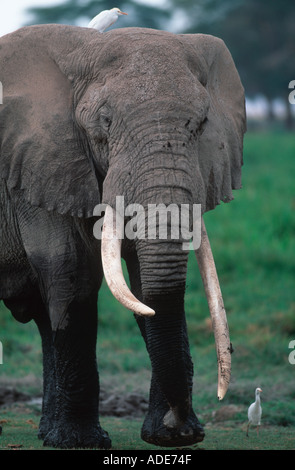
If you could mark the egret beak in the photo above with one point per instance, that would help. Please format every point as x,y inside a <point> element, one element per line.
<point>122,13</point>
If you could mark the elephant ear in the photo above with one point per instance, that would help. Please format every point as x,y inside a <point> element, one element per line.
<point>220,154</point>
<point>40,147</point>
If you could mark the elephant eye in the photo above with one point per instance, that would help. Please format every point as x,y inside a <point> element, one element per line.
<point>105,121</point>
<point>202,126</point>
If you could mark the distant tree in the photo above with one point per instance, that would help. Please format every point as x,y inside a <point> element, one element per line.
<point>203,12</point>
<point>261,37</point>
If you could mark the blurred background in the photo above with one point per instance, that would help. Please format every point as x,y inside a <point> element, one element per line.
<point>253,237</point>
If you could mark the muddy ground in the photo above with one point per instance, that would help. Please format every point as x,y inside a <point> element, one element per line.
<point>111,404</point>
<point>119,404</point>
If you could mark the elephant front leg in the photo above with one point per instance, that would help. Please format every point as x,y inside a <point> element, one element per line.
<point>76,423</point>
<point>171,420</point>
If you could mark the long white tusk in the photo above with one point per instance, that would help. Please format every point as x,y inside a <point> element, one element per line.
<point>217,311</point>
<point>111,261</point>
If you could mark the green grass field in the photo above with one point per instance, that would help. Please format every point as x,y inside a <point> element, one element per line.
<point>253,241</point>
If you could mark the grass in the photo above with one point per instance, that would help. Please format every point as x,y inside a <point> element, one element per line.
<point>21,425</point>
<point>253,241</point>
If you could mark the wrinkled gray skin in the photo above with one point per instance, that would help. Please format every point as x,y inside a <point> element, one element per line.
<point>146,114</point>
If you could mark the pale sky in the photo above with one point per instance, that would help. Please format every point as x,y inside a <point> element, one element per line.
<point>13,16</point>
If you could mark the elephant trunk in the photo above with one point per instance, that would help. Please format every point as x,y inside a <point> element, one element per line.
<point>163,266</point>
<point>163,274</point>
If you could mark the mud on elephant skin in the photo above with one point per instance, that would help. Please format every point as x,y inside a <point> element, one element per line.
<point>154,117</point>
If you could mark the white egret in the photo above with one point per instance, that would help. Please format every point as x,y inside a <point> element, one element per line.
<point>255,412</point>
<point>105,19</point>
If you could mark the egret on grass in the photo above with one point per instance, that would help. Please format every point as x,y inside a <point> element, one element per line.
<point>105,19</point>
<point>255,412</point>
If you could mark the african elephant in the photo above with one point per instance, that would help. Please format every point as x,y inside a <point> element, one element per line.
<point>149,115</point>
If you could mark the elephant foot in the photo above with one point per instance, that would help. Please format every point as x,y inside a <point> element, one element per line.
<point>73,436</point>
<point>164,431</point>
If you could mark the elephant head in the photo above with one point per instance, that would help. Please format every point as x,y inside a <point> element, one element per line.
<point>153,116</point>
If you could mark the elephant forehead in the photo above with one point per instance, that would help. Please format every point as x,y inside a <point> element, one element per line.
<point>157,61</point>
<point>174,92</point>
<point>145,52</point>
<point>144,78</point>
<point>177,91</point>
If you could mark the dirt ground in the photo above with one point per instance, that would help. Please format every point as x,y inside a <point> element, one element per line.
<point>113,404</point>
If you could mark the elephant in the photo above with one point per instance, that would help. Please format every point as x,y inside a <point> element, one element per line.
<point>149,115</point>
